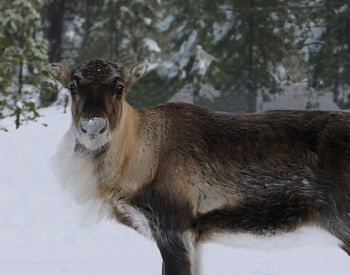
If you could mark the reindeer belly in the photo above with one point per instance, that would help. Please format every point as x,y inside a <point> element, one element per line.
<point>267,201</point>
<point>258,218</point>
<point>306,235</point>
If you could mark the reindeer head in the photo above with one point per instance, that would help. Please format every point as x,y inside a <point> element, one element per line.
<point>98,90</point>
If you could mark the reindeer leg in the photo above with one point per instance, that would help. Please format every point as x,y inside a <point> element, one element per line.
<point>171,225</point>
<point>339,225</point>
<point>175,253</point>
<point>163,268</point>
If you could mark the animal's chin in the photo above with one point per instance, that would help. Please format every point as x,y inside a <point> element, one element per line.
<point>94,145</point>
<point>96,148</point>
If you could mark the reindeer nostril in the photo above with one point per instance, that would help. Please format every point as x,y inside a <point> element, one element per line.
<point>103,129</point>
<point>83,129</point>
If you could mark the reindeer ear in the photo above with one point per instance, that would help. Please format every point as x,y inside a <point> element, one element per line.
<point>60,72</point>
<point>137,71</point>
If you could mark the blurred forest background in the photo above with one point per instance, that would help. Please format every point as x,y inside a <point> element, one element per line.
<point>229,55</point>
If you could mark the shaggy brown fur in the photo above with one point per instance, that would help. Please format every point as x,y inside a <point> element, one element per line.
<point>189,170</point>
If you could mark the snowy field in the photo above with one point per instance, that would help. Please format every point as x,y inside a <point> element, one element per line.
<point>41,231</point>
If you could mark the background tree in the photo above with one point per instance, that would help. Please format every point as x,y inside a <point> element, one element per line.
<point>242,42</point>
<point>24,54</point>
<point>221,54</point>
<point>53,14</point>
<point>224,54</point>
<point>329,64</point>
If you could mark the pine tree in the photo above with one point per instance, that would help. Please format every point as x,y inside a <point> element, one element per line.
<point>117,30</point>
<point>231,48</point>
<point>23,59</point>
<point>223,54</point>
<point>126,32</point>
<point>330,55</point>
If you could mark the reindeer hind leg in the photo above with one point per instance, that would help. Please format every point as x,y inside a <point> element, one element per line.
<point>339,226</point>
<point>344,235</point>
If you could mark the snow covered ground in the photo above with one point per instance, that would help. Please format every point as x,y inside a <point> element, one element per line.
<point>41,230</point>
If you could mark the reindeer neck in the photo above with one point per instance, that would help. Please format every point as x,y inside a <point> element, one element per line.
<point>119,167</point>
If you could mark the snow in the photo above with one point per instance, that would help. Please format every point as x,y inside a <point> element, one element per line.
<point>41,231</point>
<point>274,16</point>
<point>165,24</point>
<point>168,70</point>
<point>202,61</point>
<point>186,47</point>
<point>220,31</point>
<point>147,20</point>
<point>184,95</point>
<point>151,45</point>
<point>209,92</point>
<point>19,105</point>
<point>342,9</point>
<point>313,42</point>
<point>298,97</point>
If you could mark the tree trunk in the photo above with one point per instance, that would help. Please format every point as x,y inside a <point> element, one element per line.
<point>251,81</point>
<point>20,84</point>
<point>55,18</point>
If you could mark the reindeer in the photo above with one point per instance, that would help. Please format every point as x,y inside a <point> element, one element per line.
<point>179,173</point>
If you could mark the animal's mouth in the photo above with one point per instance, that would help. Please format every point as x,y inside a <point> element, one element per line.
<point>79,147</point>
<point>94,144</point>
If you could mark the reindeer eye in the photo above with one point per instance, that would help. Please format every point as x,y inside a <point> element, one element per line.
<point>72,89</point>
<point>120,89</point>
